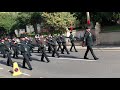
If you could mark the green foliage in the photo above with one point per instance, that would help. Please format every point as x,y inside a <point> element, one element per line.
<point>105,18</point>
<point>58,20</point>
<point>22,20</point>
<point>7,20</point>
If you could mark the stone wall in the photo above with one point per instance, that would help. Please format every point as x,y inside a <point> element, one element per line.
<point>110,38</point>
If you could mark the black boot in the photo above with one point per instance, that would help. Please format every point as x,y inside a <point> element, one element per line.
<point>86,58</point>
<point>96,58</point>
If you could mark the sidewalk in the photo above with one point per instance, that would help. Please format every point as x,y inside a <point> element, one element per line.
<point>99,47</point>
<point>105,47</point>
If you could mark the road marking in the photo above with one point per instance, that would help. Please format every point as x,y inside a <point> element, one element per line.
<point>73,59</point>
<point>26,74</point>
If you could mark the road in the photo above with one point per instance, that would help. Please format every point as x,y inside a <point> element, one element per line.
<point>69,66</point>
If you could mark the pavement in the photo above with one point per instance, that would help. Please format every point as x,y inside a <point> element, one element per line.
<point>99,47</point>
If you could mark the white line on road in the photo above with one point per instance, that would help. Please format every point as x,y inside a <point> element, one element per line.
<point>26,74</point>
<point>73,59</point>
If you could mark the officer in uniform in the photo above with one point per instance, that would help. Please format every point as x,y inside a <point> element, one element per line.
<point>62,37</point>
<point>23,48</point>
<point>89,43</point>
<point>72,39</point>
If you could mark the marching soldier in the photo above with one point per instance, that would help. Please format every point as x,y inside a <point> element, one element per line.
<point>9,61</point>
<point>6,50</point>
<point>49,45</point>
<point>7,43</point>
<point>2,48</point>
<point>89,43</point>
<point>14,46</point>
<point>42,48</point>
<point>72,39</point>
<point>41,40</point>
<point>37,39</point>
<point>59,43</point>
<point>62,37</point>
<point>26,57</point>
<point>53,46</point>
<point>29,45</point>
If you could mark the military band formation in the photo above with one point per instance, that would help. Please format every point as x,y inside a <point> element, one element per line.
<point>12,48</point>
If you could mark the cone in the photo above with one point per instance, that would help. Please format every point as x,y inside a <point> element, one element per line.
<point>16,70</point>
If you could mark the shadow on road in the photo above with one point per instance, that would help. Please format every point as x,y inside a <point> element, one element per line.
<point>3,62</point>
<point>65,56</point>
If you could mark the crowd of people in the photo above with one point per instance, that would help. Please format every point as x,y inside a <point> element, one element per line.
<point>12,48</point>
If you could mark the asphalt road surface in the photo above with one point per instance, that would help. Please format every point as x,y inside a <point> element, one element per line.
<point>68,66</point>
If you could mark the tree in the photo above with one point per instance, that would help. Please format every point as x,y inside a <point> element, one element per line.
<point>105,18</point>
<point>7,20</point>
<point>57,21</point>
<point>35,18</point>
<point>22,20</point>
